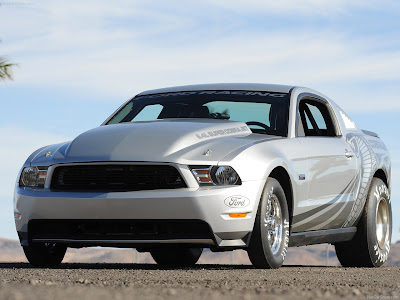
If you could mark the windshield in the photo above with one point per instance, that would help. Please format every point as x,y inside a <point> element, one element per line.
<point>264,112</point>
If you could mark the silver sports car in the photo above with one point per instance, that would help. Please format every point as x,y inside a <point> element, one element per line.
<point>221,166</point>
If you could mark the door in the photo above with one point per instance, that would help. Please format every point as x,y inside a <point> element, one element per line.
<point>331,168</point>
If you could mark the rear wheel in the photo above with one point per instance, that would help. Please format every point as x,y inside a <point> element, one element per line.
<point>371,244</point>
<point>270,238</point>
<point>45,255</point>
<point>176,256</point>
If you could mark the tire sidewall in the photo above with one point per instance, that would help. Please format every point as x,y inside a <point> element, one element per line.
<point>273,187</point>
<point>41,256</point>
<point>377,192</point>
<point>176,256</point>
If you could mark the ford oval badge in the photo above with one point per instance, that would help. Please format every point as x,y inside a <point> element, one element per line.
<point>237,201</point>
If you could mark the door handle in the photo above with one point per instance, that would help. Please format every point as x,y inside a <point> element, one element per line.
<point>348,154</point>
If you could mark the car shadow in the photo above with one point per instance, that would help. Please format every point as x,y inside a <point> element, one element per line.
<point>135,266</point>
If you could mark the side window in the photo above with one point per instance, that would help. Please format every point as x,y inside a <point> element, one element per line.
<point>317,115</point>
<point>316,118</point>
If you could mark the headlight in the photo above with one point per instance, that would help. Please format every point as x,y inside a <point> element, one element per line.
<point>33,177</point>
<point>226,175</point>
<point>216,175</point>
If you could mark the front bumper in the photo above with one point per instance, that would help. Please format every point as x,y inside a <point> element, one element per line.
<point>206,204</point>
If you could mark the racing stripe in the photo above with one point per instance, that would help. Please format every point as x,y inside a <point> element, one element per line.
<point>303,216</point>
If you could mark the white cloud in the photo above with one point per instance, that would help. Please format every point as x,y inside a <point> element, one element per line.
<point>306,7</point>
<point>127,67</point>
<point>119,50</point>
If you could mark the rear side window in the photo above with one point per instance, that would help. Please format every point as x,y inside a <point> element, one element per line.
<point>316,118</point>
<point>348,123</point>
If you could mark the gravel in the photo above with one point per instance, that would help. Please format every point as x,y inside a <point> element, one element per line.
<point>148,281</point>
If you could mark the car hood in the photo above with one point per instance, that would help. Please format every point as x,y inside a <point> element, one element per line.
<point>185,141</point>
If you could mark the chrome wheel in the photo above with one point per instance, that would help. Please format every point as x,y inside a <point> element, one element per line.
<point>273,223</point>
<point>382,223</point>
<point>270,237</point>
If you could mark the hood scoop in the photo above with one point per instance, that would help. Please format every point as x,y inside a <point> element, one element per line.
<point>149,141</point>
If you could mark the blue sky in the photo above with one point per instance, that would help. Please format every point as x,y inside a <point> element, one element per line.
<point>79,61</point>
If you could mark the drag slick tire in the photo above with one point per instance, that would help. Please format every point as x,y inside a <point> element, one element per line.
<point>371,244</point>
<point>176,256</point>
<point>45,255</point>
<point>270,238</point>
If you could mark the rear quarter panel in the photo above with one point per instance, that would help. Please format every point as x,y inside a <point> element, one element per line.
<point>373,156</point>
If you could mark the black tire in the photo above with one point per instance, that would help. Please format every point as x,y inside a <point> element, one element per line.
<point>45,255</point>
<point>262,252</point>
<point>176,256</point>
<point>370,246</point>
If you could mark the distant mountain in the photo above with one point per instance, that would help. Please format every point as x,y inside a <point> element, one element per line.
<point>11,251</point>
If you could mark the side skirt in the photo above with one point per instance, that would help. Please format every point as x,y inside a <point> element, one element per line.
<point>330,236</point>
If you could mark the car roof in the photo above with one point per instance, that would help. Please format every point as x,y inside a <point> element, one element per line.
<point>276,88</point>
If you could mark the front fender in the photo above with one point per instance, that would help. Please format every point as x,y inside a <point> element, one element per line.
<point>257,162</point>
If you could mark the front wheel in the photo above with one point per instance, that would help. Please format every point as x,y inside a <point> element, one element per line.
<point>176,256</point>
<point>270,238</point>
<point>45,255</point>
<point>371,244</point>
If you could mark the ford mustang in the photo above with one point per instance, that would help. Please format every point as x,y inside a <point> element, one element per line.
<point>222,166</point>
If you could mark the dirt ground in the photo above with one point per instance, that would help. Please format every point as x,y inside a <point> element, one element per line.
<point>148,281</point>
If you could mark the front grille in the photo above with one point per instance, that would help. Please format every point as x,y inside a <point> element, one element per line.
<point>114,177</point>
<point>87,230</point>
